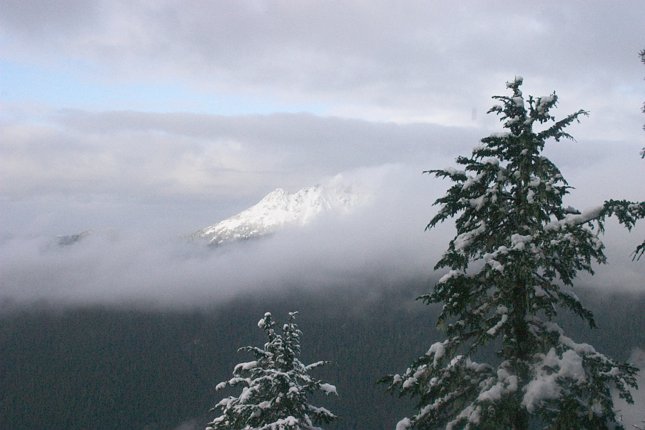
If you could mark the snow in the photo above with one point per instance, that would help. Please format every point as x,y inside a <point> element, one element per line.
<point>519,241</point>
<point>513,120</point>
<point>530,196</point>
<point>262,322</point>
<point>574,219</point>
<point>415,377</point>
<point>506,383</point>
<point>546,383</point>
<point>491,160</point>
<point>328,389</point>
<point>438,350</point>
<point>245,366</point>
<point>281,424</point>
<point>538,291</point>
<point>470,181</point>
<point>543,102</point>
<point>452,171</point>
<point>463,240</point>
<point>472,414</point>
<point>495,265</point>
<point>404,424</point>
<point>500,134</point>
<point>478,202</point>
<point>503,311</point>
<point>448,276</point>
<point>279,209</point>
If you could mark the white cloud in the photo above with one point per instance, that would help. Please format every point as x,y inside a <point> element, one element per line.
<point>137,154</point>
<point>152,268</point>
<point>378,60</point>
<point>382,243</point>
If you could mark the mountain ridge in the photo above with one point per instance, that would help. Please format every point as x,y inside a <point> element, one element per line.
<point>280,209</point>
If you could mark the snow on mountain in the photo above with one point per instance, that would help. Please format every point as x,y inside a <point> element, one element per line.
<point>280,209</point>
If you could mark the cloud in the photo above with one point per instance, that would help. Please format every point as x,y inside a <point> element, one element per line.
<point>154,175</point>
<point>381,60</point>
<point>384,241</point>
<point>147,155</point>
<point>135,154</point>
<point>380,244</point>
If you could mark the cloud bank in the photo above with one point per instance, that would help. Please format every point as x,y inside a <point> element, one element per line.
<point>380,244</point>
<point>379,60</point>
<point>382,241</point>
<point>154,119</point>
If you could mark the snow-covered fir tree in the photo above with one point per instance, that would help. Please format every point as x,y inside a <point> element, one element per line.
<point>275,386</point>
<point>512,265</point>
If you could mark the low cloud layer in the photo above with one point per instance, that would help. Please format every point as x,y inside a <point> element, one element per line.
<point>381,244</point>
<point>382,241</point>
<point>143,180</point>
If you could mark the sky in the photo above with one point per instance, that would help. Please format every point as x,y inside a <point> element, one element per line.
<point>144,121</point>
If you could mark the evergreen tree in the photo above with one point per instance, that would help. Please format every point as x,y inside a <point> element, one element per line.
<point>511,268</point>
<point>275,386</point>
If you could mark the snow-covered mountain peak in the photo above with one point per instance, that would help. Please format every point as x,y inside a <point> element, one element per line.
<point>279,209</point>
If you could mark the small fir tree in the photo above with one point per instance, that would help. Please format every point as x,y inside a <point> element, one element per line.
<point>511,269</point>
<point>275,386</point>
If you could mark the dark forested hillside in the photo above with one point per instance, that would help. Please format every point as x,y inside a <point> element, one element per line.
<point>131,369</point>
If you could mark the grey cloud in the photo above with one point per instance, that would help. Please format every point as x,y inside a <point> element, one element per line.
<point>97,164</point>
<point>132,153</point>
<point>154,269</point>
<point>152,177</point>
<point>39,22</point>
<point>381,244</point>
<point>436,60</point>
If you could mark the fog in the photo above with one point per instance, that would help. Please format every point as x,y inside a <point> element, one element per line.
<point>383,239</point>
<point>381,244</point>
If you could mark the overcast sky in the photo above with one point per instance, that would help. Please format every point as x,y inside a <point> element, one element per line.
<point>160,117</point>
